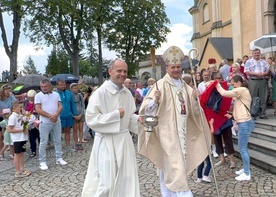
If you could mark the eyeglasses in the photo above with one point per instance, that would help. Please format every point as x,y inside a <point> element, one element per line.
<point>218,78</point>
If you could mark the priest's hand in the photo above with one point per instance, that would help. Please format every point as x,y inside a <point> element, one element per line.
<point>157,95</point>
<point>122,112</point>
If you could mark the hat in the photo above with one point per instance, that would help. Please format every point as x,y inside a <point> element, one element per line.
<point>72,85</point>
<point>31,93</point>
<point>212,61</point>
<point>6,111</point>
<point>173,55</point>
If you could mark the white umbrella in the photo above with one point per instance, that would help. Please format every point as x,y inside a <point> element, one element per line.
<point>266,43</point>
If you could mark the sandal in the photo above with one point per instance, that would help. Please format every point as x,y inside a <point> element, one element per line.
<point>26,172</point>
<point>220,163</point>
<point>232,165</point>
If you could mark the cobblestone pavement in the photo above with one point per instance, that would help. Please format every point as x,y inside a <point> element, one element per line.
<point>68,180</point>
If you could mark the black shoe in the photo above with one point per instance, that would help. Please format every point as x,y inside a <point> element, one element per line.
<point>263,117</point>
<point>33,154</point>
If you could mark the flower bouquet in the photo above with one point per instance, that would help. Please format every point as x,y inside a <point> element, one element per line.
<point>25,119</point>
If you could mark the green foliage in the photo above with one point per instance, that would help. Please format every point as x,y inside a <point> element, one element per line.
<point>129,27</point>
<point>30,68</point>
<point>55,22</point>
<point>138,25</point>
<point>58,63</point>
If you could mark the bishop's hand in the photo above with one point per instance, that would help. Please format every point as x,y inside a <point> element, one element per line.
<point>157,95</point>
<point>196,93</point>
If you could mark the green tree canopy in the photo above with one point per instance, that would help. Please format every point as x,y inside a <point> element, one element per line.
<point>58,63</point>
<point>30,67</point>
<point>55,22</point>
<point>138,25</point>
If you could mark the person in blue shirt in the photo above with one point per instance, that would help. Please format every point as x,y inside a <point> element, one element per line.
<point>68,113</point>
<point>151,81</point>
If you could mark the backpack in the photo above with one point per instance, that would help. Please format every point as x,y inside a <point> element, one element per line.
<point>255,107</point>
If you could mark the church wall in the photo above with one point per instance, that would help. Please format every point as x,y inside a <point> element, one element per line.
<point>210,52</point>
<point>205,26</point>
<point>227,31</point>
<point>225,11</point>
<point>248,25</point>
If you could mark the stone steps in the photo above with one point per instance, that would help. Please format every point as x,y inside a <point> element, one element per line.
<point>262,160</point>
<point>267,135</point>
<point>262,145</point>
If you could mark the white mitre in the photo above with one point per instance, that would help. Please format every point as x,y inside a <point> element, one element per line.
<point>173,55</point>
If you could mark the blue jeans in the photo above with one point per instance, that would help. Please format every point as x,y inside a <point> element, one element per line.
<point>245,129</point>
<point>45,129</point>
<point>207,169</point>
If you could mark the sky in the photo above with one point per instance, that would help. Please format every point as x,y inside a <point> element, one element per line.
<point>181,32</point>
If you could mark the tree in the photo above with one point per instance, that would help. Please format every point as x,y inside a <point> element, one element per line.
<point>100,13</point>
<point>58,63</point>
<point>54,22</point>
<point>16,8</point>
<point>138,25</point>
<point>30,68</point>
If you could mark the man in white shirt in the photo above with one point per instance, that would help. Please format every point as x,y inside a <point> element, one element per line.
<point>206,80</point>
<point>48,106</point>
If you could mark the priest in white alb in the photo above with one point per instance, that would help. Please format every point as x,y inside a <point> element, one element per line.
<point>177,145</point>
<point>112,169</point>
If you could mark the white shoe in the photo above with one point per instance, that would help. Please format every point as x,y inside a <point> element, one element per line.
<point>206,179</point>
<point>215,154</point>
<point>239,172</point>
<point>60,161</point>
<point>199,180</point>
<point>43,166</point>
<point>233,132</point>
<point>243,177</point>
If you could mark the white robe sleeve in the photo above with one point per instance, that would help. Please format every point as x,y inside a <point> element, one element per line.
<point>103,123</point>
<point>99,118</point>
<point>133,125</point>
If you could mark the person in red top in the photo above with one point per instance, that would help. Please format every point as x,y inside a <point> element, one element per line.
<point>29,103</point>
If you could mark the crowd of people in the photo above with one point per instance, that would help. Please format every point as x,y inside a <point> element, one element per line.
<point>40,119</point>
<point>193,120</point>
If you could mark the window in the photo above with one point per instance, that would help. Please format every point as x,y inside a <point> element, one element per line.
<point>206,17</point>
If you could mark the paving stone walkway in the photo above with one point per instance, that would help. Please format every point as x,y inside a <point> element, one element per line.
<point>59,181</point>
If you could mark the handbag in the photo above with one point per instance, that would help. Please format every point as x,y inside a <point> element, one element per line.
<point>255,108</point>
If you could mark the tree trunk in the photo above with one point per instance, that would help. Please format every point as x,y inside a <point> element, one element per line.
<point>13,65</point>
<point>12,50</point>
<point>99,33</point>
<point>76,67</point>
